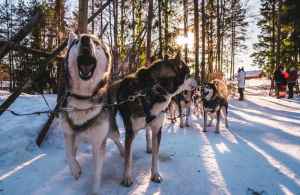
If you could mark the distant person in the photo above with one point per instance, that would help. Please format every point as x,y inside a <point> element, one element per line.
<point>241,77</point>
<point>280,78</point>
<point>292,79</point>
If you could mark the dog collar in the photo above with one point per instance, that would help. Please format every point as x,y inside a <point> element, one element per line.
<point>100,85</point>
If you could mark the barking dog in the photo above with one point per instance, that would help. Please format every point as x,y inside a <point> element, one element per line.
<point>213,104</point>
<point>158,84</point>
<point>88,70</point>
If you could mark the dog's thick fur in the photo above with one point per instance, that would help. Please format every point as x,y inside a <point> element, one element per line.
<point>214,99</point>
<point>159,83</point>
<point>222,88</point>
<point>88,70</point>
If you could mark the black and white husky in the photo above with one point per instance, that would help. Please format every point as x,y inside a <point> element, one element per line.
<point>214,104</point>
<point>88,70</point>
<point>158,84</point>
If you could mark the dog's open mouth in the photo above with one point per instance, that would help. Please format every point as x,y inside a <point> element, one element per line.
<point>86,66</point>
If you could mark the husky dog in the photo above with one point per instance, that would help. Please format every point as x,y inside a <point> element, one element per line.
<point>88,70</point>
<point>213,104</point>
<point>197,102</point>
<point>157,84</point>
<point>182,102</point>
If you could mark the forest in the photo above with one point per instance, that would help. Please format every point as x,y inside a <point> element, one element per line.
<point>209,33</point>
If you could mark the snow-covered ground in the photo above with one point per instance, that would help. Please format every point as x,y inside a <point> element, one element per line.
<point>258,154</point>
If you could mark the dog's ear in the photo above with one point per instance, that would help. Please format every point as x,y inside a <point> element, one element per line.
<point>72,37</point>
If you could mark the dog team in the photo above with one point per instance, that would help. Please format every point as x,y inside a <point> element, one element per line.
<point>92,101</point>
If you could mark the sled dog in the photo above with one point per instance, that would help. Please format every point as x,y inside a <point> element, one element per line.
<point>153,87</point>
<point>183,103</point>
<point>88,70</point>
<point>214,103</point>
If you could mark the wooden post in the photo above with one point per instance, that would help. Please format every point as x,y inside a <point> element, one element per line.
<point>46,126</point>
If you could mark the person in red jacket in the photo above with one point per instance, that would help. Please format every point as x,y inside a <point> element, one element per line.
<point>292,79</point>
<point>280,78</point>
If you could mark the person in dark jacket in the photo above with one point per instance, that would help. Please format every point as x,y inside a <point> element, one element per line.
<point>280,78</point>
<point>292,79</point>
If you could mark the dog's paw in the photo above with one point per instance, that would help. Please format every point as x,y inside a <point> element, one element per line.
<point>181,126</point>
<point>149,150</point>
<point>156,178</point>
<point>127,182</point>
<point>76,170</point>
<point>204,130</point>
<point>217,131</point>
<point>122,152</point>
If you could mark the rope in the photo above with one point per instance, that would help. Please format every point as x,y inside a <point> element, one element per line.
<point>46,102</point>
<point>29,113</point>
<point>72,109</point>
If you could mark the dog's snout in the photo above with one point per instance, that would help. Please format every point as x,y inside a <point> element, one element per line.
<point>85,40</point>
<point>85,47</point>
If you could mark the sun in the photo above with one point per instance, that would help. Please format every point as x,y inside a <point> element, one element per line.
<point>182,40</point>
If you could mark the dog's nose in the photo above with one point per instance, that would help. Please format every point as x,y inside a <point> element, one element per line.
<point>85,40</point>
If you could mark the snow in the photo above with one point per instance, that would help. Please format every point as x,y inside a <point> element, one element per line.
<point>260,152</point>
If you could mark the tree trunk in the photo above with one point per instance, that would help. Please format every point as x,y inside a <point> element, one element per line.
<point>273,36</point>
<point>160,30</point>
<point>185,11</point>
<point>149,29</point>
<point>196,26</point>
<point>210,38</point>
<point>93,22</point>
<point>116,43</point>
<point>83,16</point>
<point>203,40</point>
<point>218,37</point>
<point>166,17</point>
<point>278,52</point>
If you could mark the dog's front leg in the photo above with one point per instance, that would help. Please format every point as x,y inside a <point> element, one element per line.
<point>205,121</point>
<point>71,149</point>
<point>115,136</point>
<point>127,177</point>
<point>148,140</point>
<point>180,110</point>
<point>225,112</point>
<point>156,137</point>
<point>218,121</point>
<point>98,155</point>
<point>188,113</point>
